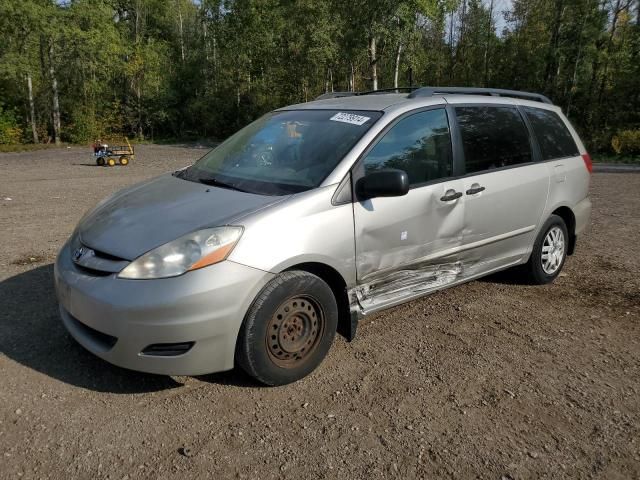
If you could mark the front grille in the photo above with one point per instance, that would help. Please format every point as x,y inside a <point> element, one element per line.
<point>167,349</point>
<point>92,271</point>
<point>104,341</point>
<point>108,256</point>
<point>95,262</point>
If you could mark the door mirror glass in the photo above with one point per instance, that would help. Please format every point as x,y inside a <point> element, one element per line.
<point>384,183</point>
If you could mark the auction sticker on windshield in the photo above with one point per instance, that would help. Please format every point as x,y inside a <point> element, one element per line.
<point>349,118</point>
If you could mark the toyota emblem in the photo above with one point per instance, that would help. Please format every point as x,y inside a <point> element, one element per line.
<point>78,253</point>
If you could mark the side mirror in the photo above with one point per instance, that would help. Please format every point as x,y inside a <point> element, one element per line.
<point>385,183</point>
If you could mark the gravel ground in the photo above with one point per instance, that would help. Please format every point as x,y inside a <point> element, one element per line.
<point>491,379</point>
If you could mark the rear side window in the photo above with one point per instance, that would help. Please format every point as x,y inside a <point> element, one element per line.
<point>551,132</point>
<point>493,137</point>
<point>419,144</point>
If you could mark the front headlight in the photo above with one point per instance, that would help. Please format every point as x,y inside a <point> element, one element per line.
<point>190,252</point>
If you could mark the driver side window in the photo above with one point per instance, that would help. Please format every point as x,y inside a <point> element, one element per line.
<point>419,144</point>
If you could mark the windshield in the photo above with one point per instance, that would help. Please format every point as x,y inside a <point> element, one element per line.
<point>283,152</point>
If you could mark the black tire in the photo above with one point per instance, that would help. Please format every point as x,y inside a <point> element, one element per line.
<point>534,268</point>
<point>276,347</point>
<point>100,161</point>
<point>124,160</point>
<point>111,162</point>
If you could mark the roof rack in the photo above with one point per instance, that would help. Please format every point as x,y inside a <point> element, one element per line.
<point>495,92</point>
<point>418,92</point>
<point>325,96</point>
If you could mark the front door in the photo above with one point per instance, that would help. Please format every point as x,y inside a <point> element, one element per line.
<point>405,246</point>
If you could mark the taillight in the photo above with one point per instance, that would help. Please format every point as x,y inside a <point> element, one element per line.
<point>587,162</point>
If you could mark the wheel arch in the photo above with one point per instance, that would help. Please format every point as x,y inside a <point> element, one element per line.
<point>569,218</point>
<point>346,321</point>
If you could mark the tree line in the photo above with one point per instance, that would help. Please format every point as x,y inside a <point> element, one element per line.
<point>78,70</point>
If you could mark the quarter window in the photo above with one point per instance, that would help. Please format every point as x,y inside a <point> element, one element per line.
<point>493,137</point>
<point>419,144</point>
<point>551,132</point>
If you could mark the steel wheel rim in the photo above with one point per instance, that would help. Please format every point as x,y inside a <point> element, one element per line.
<point>294,331</point>
<point>553,250</point>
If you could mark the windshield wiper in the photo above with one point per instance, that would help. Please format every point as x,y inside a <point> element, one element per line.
<point>218,183</point>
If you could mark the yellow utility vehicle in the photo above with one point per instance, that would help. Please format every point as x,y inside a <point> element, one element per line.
<point>112,155</point>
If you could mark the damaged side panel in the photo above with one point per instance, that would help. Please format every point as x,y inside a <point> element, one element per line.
<point>386,289</point>
<point>405,246</point>
<point>403,284</point>
<point>411,246</point>
<point>391,232</point>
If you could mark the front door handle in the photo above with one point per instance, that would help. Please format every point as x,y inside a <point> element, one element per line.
<point>475,189</point>
<point>450,196</point>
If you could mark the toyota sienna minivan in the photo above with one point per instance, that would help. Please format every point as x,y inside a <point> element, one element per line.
<point>315,215</point>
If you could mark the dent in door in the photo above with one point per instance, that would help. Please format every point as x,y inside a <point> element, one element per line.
<point>407,243</point>
<point>404,255</point>
<point>559,173</point>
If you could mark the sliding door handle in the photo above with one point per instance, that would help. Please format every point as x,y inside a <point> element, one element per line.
<point>475,189</point>
<point>450,196</point>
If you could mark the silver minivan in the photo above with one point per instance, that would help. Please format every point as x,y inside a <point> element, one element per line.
<point>315,215</point>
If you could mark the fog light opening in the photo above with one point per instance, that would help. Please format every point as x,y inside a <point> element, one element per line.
<point>167,349</point>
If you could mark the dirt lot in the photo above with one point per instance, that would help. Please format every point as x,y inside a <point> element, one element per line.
<point>488,380</point>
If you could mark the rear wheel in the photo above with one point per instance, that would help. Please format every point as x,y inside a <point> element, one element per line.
<point>549,251</point>
<point>124,160</point>
<point>288,329</point>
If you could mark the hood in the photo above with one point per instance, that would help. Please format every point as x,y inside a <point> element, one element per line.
<point>145,216</point>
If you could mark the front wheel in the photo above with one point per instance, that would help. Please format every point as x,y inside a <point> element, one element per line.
<point>549,251</point>
<point>288,330</point>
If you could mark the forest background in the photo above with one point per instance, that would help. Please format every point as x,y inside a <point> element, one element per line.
<point>163,70</point>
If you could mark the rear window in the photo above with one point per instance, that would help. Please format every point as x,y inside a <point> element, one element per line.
<point>493,137</point>
<point>552,134</point>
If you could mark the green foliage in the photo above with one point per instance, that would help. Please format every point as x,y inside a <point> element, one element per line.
<point>83,126</point>
<point>156,69</point>
<point>626,142</point>
<point>10,132</point>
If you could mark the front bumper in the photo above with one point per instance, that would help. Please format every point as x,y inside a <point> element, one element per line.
<point>116,319</point>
